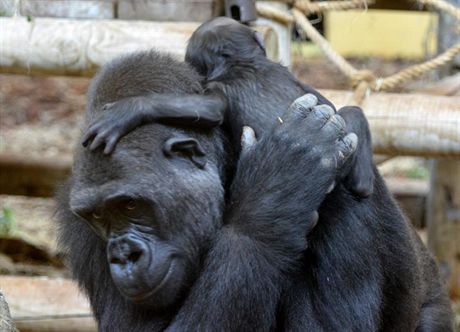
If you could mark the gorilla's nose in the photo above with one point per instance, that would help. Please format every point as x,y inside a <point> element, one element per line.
<point>125,250</point>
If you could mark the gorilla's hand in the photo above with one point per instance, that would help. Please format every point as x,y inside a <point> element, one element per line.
<point>116,120</point>
<point>298,162</point>
<point>317,130</point>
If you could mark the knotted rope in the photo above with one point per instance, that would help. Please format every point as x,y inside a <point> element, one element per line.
<point>362,81</point>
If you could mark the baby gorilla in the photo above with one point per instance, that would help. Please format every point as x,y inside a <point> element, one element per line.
<point>232,58</point>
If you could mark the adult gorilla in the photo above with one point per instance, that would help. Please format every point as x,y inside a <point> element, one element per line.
<point>138,224</point>
<point>365,269</point>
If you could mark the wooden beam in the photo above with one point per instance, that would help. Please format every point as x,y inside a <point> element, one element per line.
<point>78,47</point>
<point>170,10</point>
<point>31,176</point>
<point>401,124</point>
<point>64,8</point>
<point>409,124</point>
<point>42,304</point>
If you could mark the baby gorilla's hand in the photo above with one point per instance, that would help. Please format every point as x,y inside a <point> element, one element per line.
<point>115,121</point>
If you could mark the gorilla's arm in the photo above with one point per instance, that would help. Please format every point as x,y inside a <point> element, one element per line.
<point>271,210</point>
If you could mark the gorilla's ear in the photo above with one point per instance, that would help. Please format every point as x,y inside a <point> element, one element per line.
<point>259,40</point>
<point>187,147</point>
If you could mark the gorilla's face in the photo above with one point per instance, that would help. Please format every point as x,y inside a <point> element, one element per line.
<point>156,202</point>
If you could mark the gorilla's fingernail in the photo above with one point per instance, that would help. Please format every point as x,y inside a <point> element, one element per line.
<point>331,187</point>
<point>308,100</point>
<point>323,111</point>
<point>248,138</point>
<point>303,105</point>
<point>315,218</point>
<point>351,140</point>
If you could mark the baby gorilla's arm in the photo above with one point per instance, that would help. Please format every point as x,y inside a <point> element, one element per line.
<point>119,118</point>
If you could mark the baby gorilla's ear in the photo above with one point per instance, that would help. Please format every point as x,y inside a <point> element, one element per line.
<point>185,147</point>
<point>259,40</point>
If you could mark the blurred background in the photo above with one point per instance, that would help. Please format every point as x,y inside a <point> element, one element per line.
<point>49,49</point>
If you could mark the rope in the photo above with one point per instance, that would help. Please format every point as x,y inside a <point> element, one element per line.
<point>273,13</point>
<point>416,70</point>
<point>363,81</point>
<point>318,39</point>
<point>443,6</point>
<point>308,7</point>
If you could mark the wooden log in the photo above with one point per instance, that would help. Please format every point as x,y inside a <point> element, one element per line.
<point>401,124</point>
<point>62,8</point>
<point>31,176</point>
<point>170,10</point>
<point>409,124</point>
<point>443,219</point>
<point>42,304</point>
<point>79,47</point>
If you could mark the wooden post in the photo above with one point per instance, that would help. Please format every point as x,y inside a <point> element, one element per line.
<point>443,219</point>
<point>6,324</point>
<point>283,32</point>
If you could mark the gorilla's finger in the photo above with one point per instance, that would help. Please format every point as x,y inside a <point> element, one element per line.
<point>335,125</point>
<point>107,106</point>
<point>331,187</point>
<point>110,144</point>
<point>248,138</point>
<point>320,115</point>
<point>88,136</point>
<point>97,141</point>
<point>313,221</point>
<point>302,106</point>
<point>346,147</point>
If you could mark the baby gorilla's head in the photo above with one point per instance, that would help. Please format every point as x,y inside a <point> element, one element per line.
<point>221,43</point>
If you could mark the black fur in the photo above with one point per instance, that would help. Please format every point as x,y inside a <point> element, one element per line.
<point>178,212</point>
<point>365,268</point>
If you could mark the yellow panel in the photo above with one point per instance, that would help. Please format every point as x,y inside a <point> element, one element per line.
<point>383,33</point>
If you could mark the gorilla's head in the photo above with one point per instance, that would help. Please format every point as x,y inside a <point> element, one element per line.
<point>156,202</point>
<point>221,43</point>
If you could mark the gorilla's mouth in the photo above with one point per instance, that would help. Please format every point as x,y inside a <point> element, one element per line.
<point>142,296</point>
